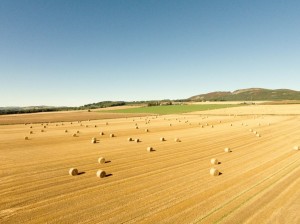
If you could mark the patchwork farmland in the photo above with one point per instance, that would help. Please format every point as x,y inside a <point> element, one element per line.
<point>232,165</point>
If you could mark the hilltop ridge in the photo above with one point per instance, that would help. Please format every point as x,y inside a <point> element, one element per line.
<point>250,94</point>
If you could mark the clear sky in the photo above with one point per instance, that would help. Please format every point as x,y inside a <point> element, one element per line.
<point>76,52</point>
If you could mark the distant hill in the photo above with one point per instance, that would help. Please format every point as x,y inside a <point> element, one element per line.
<point>252,94</point>
<point>278,96</point>
<point>32,109</point>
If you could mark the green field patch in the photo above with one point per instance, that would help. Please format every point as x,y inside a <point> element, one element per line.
<point>172,109</point>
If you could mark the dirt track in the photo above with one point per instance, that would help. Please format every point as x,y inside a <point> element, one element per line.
<point>259,183</point>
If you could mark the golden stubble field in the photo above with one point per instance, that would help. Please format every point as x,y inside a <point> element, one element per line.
<point>259,181</point>
<point>45,117</point>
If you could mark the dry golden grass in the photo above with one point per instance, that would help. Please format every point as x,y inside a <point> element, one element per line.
<point>259,181</point>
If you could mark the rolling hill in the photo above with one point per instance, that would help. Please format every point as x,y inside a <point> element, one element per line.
<point>251,94</point>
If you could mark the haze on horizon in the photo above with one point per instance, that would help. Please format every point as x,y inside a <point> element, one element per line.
<point>77,52</point>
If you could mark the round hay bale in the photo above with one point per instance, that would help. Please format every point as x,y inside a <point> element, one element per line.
<point>101,133</point>
<point>30,132</point>
<point>137,140</point>
<point>214,161</point>
<point>250,130</point>
<point>162,139</point>
<point>42,130</point>
<point>255,132</point>
<point>74,135</point>
<point>112,135</point>
<point>129,139</point>
<point>230,124</point>
<point>212,126</point>
<point>296,147</point>
<point>177,140</point>
<point>26,138</point>
<point>101,174</point>
<point>214,172</point>
<point>77,132</point>
<point>149,149</point>
<point>106,123</point>
<point>101,160</point>
<point>227,150</point>
<point>146,130</point>
<point>206,124</point>
<point>136,127</point>
<point>30,126</point>
<point>86,126</point>
<point>73,172</point>
<point>66,131</point>
<point>258,135</point>
<point>94,140</point>
<point>95,126</point>
<point>170,125</point>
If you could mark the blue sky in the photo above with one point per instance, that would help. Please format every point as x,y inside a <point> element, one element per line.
<point>77,52</point>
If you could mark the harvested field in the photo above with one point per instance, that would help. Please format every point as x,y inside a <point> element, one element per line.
<point>60,116</point>
<point>259,181</point>
<point>290,109</point>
